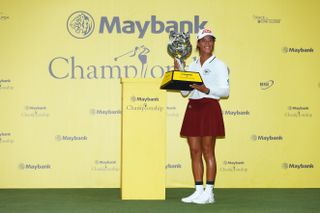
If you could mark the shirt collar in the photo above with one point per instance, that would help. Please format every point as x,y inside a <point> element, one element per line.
<point>209,60</point>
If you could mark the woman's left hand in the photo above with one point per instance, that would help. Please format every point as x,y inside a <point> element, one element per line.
<point>201,88</point>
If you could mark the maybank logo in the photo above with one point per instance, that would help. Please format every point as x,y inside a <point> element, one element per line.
<point>172,111</point>
<point>71,138</point>
<point>28,166</point>
<point>266,138</point>
<point>153,25</point>
<point>144,104</point>
<point>173,166</point>
<point>105,111</point>
<point>297,50</point>
<point>237,112</point>
<point>233,166</point>
<point>6,138</point>
<point>298,112</point>
<point>6,84</point>
<point>143,99</point>
<point>35,111</point>
<point>4,17</point>
<point>80,24</point>
<point>105,165</point>
<point>297,166</point>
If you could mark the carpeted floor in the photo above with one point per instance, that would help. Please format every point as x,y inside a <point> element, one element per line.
<point>108,200</point>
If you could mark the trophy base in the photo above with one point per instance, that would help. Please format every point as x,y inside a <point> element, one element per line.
<point>180,80</point>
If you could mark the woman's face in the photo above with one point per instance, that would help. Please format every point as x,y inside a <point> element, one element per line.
<point>206,45</point>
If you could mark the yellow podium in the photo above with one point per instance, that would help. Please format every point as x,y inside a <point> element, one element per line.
<point>143,148</point>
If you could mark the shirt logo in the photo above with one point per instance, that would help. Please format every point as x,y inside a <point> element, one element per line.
<point>206,71</point>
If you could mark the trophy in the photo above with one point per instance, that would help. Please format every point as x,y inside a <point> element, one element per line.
<point>179,48</point>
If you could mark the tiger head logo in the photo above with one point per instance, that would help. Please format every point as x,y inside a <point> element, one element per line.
<point>80,24</point>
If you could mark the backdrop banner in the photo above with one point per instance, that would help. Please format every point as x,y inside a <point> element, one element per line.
<point>60,69</point>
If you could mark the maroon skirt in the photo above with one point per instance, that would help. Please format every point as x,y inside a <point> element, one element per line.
<point>203,117</point>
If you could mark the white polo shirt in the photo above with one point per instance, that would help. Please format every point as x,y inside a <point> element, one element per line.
<point>214,74</point>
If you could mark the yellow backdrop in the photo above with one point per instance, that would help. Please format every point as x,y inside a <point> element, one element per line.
<point>61,63</point>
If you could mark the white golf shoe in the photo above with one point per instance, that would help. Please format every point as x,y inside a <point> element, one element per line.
<point>190,198</point>
<point>205,198</point>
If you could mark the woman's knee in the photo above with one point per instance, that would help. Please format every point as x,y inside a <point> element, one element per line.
<point>195,147</point>
<point>207,146</point>
<point>195,152</point>
<point>208,152</point>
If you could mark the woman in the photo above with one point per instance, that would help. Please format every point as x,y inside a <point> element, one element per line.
<point>203,120</point>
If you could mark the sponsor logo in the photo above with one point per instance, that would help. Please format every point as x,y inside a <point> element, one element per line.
<point>206,71</point>
<point>35,167</point>
<point>105,165</point>
<point>298,112</point>
<point>71,138</point>
<point>298,108</point>
<point>171,108</point>
<point>233,166</point>
<point>6,137</point>
<point>69,68</point>
<point>173,166</point>
<point>266,138</point>
<point>144,108</point>
<point>266,20</point>
<point>5,84</point>
<point>154,26</point>
<point>35,111</point>
<point>227,162</point>
<point>105,112</point>
<point>237,112</point>
<point>144,104</point>
<point>297,166</point>
<point>4,17</point>
<point>172,111</point>
<point>143,99</point>
<point>297,50</point>
<point>80,24</point>
<point>266,85</point>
